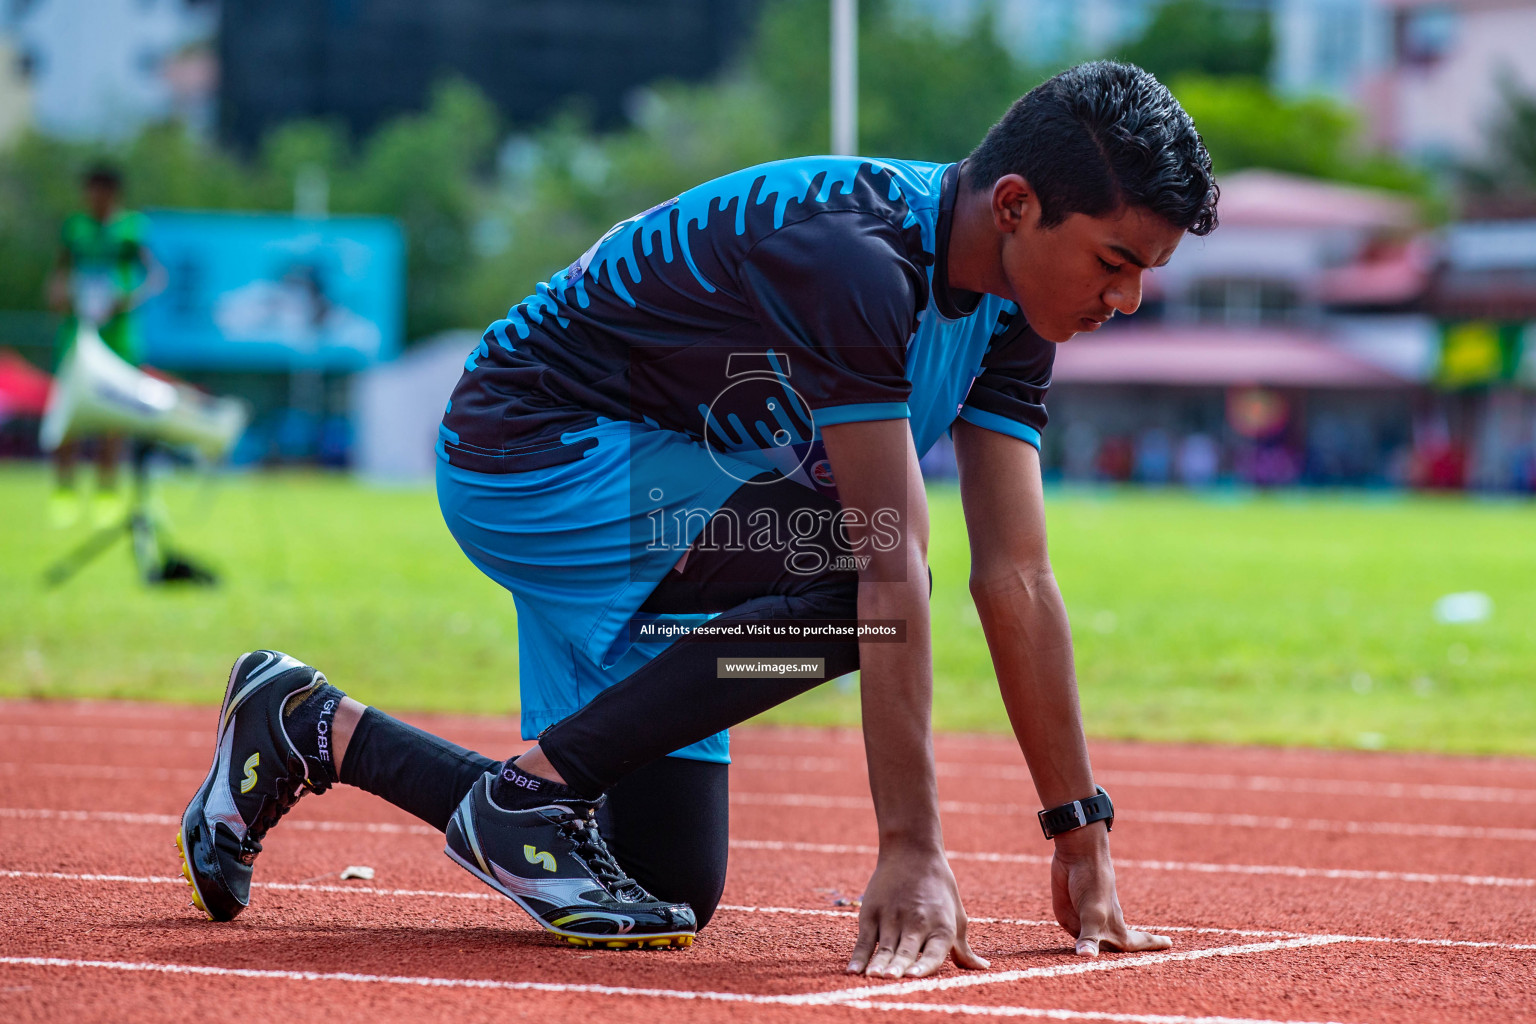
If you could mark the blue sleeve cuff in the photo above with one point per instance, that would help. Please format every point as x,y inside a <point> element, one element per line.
<point>833,415</point>
<point>1002,424</point>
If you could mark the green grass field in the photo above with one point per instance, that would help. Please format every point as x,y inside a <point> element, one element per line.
<point>1278,619</point>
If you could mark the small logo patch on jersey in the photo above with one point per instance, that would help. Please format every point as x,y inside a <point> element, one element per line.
<point>536,856</point>
<point>250,773</point>
<point>576,271</point>
<point>821,472</point>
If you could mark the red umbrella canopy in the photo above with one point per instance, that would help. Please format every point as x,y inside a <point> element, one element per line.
<point>23,387</point>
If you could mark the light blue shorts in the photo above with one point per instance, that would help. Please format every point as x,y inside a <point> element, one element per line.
<point>576,544</point>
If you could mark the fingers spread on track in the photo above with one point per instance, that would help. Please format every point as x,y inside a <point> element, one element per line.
<point>934,952</point>
<point>906,953</point>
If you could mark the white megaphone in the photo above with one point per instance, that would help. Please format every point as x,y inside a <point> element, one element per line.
<point>97,392</point>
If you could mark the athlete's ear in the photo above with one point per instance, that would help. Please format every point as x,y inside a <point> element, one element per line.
<point>1013,203</point>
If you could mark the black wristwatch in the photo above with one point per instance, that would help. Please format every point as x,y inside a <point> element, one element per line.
<point>1077,814</point>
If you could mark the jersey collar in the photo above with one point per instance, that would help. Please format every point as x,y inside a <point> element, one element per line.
<point>952,303</point>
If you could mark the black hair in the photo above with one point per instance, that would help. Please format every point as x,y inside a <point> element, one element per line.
<point>103,175</point>
<point>1098,137</point>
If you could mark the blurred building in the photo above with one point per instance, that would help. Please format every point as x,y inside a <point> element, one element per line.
<point>1055,32</point>
<point>1319,337</point>
<point>1427,72</point>
<point>1045,32</point>
<point>362,63</point>
<point>101,69</point>
<point>1483,295</point>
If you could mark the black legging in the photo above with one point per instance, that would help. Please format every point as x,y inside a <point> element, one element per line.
<point>676,698</point>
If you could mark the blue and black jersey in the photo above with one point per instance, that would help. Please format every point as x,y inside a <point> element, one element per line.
<point>748,312</point>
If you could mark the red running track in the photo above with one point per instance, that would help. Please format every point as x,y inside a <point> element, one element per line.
<point>1298,886</point>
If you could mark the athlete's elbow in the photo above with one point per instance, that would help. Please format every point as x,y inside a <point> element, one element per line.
<point>892,569</point>
<point>1031,582</point>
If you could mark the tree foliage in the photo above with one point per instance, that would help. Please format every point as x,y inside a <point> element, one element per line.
<point>1510,169</point>
<point>485,216</point>
<point>1245,125</point>
<point>1198,37</point>
<point>924,92</point>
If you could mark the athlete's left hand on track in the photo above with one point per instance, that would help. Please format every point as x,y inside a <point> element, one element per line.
<point>1083,896</point>
<point>911,919</point>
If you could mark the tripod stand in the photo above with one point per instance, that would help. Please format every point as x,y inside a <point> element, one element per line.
<point>156,563</point>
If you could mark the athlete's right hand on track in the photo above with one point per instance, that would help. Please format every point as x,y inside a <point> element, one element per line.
<point>911,918</point>
<point>1083,896</point>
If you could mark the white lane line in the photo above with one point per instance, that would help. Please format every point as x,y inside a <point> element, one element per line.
<point>368,890</point>
<point>855,768</point>
<point>386,979</point>
<point>1198,867</point>
<point>1247,933</point>
<point>967,1010</point>
<point>96,734</point>
<point>1335,826</point>
<point>89,771</point>
<point>1173,780</point>
<point>114,710</point>
<point>1391,828</point>
<point>505,730</point>
<point>842,849</point>
<point>853,803</point>
<point>355,890</point>
<point>129,818</point>
<point>197,737</point>
<point>861,994</point>
<point>900,988</point>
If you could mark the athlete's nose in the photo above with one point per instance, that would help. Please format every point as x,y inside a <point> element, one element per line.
<point>1124,293</point>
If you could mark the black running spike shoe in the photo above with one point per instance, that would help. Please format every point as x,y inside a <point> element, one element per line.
<point>257,775</point>
<point>552,861</point>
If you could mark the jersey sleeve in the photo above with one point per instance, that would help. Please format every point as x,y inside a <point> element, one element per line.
<point>1008,396</point>
<point>842,294</point>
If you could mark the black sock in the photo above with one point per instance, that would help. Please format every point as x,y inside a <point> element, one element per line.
<point>513,788</point>
<point>308,721</point>
<point>414,770</point>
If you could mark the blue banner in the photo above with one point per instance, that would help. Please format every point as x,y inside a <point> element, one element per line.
<point>257,291</point>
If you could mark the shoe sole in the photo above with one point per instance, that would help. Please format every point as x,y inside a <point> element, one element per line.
<point>186,872</point>
<point>679,940</point>
<point>227,711</point>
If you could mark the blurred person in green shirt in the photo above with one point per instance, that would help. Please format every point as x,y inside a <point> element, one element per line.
<point>104,271</point>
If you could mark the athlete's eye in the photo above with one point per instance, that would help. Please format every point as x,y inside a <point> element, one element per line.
<point>1108,266</point>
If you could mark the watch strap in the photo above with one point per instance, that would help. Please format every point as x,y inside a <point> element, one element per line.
<point>1077,814</point>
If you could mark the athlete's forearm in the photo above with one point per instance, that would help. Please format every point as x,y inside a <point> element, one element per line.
<point>879,481</point>
<point>896,695</point>
<point>1025,622</point>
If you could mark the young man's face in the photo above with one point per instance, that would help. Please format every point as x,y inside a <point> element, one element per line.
<point>1074,276</point>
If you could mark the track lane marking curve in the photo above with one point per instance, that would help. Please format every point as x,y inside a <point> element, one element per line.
<point>819,1000</point>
